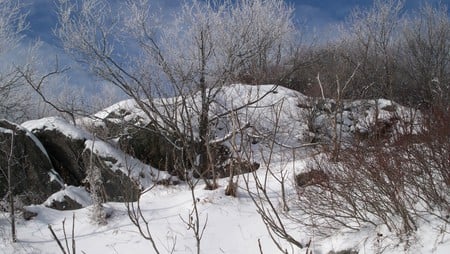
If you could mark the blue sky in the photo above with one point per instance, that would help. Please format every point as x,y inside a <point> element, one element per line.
<point>314,13</point>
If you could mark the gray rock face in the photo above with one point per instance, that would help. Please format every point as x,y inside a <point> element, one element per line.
<point>32,176</point>
<point>65,154</point>
<point>71,156</point>
<point>148,144</point>
<point>117,186</point>
<point>149,147</point>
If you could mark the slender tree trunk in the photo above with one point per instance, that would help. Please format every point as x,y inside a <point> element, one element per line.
<point>10,191</point>
<point>13,218</point>
<point>205,164</point>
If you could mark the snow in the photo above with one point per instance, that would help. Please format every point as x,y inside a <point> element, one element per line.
<point>3,130</point>
<point>232,226</point>
<point>127,105</point>
<point>78,194</point>
<point>144,174</point>
<point>232,223</point>
<point>165,208</point>
<point>57,123</point>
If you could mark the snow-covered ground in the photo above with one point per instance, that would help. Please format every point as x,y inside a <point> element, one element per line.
<point>232,224</point>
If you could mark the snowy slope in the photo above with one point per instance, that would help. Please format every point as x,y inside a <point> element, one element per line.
<point>232,226</point>
<point>232,223</point>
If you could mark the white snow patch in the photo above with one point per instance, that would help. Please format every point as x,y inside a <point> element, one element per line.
<point>78,194</point>
<point>143,173</point>
<point>3,130</point>
<point>58,124</point>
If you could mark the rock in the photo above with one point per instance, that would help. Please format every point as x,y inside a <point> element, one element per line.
<point>138,138</point>
<point>69,148</point>
<point>32,176</point>
<point>147,145</point>
<point>348,251</point>
<point>65,153</point>
<point>65,204</point>
<point>28,215</point>
<point>237,167</point>
<point>311,178</point>
<point>117,186</point>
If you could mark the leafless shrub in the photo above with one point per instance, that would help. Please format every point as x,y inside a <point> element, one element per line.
<point>427,157</point>
<point>425,51</point>
<point>393,184</point>
<point>141,222</point>
<point>272,209</point>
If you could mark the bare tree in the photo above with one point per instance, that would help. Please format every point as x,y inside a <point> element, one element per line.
<point>37,80</point>
<point>141,222</point>
<point>13,102</point>
<point>370,40</point>
<point>337,111</point>
<point>193,221</point>
<point>65,249</point>
<point>21,74</point>
<point>208,45</point>
<point>426,52</point>
<point>6,173</point>
<point>272,211</point>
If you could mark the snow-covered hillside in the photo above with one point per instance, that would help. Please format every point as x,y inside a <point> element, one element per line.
<point>232,224</point>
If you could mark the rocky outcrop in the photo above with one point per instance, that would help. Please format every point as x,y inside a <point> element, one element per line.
<point>69,149</point>
<point>117,186</point>
<point>139,138</point>
<point>31,176</point>
<point>359,120</point>
<point>135,136</point>
<point>150,147</point>
<point>158,150</point>
<point>65,153</point>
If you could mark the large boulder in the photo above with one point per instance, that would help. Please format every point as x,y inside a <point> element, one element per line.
<point>65,153</point>
<point>146,144</point>
<point>24,162</point>
<point>158,149</point>
<point>135,135</point>
<point>138,136</point>
<point>70,150</point>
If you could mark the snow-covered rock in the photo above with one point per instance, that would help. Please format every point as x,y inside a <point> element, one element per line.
<point>31,172</point>
<point>287,116</point>
<point>74,151</point>
<point>70,198</point>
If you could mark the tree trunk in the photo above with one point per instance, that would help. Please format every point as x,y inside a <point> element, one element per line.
<point>10,191</point>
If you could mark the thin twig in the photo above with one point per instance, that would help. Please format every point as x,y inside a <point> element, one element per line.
<point>56,239</point>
